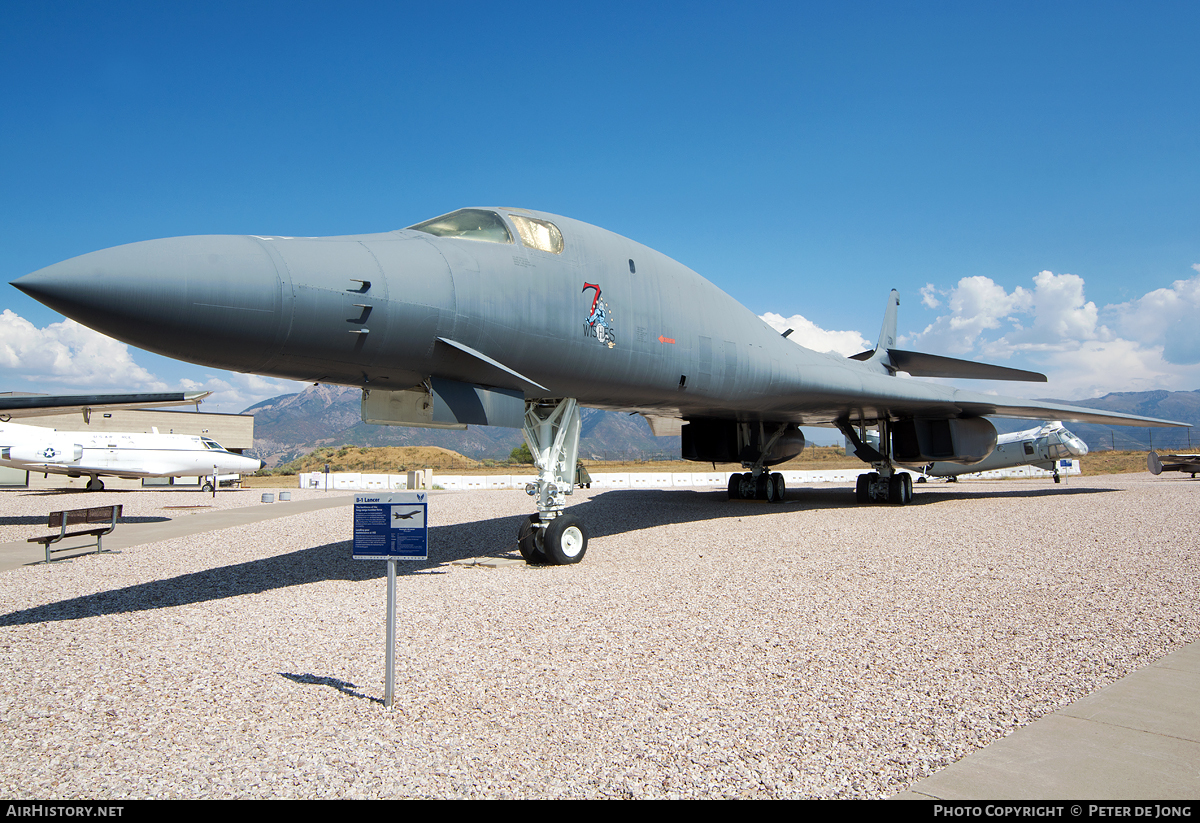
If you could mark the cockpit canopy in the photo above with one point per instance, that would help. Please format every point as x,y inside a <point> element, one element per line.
<point>489,226</point>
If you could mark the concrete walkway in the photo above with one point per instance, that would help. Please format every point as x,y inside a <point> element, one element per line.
<point>21,553</point>
<point>1138,739</point>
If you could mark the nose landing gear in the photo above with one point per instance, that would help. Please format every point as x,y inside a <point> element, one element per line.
<point>552,537</point>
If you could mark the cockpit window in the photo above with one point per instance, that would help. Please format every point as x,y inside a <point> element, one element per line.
<point>538,234</point>
<point>468,224</point>
<point>212,444</point>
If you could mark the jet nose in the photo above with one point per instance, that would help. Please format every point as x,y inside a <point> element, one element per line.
<point>216,300</point>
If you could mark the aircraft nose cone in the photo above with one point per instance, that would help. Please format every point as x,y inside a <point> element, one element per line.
<point>203,299</point>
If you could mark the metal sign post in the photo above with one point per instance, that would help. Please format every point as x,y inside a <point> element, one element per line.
<point>391,527</point>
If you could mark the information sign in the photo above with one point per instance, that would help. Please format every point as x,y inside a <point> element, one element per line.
<point>392,526</point>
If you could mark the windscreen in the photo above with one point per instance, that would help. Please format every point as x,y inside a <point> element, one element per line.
<point>468,224</point>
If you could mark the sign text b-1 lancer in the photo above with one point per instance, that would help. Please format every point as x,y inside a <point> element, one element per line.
<point>508,317</point>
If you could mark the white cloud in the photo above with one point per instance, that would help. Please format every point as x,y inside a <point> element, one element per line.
<point>1153,342</point>
<point>811,336</point>
<point>976,304</point>
<point>67,358</point>
<point>67,353</point>
<point>234,392</point>
<point>929,296</point>
<point>1169,318</point>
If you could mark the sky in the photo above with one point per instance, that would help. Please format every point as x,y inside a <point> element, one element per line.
<point>1027,175</point>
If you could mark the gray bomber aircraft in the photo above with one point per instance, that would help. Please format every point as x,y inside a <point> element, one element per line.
<point>510,317</point>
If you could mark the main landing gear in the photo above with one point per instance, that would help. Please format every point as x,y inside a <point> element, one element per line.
<point>552,536</point>
<point>766,486</point>
<point>758,483</point>
<point>876,487</point>
<point>885,484</point>
<point>95,484</point>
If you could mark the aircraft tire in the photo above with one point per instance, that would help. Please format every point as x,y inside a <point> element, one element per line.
<point>527,542</point>
<point>908,492</point>
<point>780,486</point>
<point>762,487</point>
<point>95,485</point>
<point>860,488</point>
<point>735,486</point>
<point>207,487</point>
<point>564,540</point>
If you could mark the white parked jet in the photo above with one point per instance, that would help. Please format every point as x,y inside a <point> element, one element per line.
<point>117,454</point>
<point>1042,447</point>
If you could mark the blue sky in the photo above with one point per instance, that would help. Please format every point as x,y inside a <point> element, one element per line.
<point>1027,175</point>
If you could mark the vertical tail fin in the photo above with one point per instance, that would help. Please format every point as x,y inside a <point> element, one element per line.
<point>887,334</point>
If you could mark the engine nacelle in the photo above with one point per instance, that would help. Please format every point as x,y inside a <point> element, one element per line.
<point>727,441</point>
<point>960,440</point>
<point>46,451</point>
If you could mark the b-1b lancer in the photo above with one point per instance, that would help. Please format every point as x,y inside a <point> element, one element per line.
<point>510,317</point>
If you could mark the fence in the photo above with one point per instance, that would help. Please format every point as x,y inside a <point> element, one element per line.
<point>352,481</point>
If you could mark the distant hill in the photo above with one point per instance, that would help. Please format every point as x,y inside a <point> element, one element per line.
<point>293,425</point>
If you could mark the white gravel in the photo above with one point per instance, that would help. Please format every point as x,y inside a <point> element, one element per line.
<point>704,648</point>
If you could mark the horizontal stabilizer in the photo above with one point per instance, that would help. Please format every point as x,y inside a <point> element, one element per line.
<point>919,364</point>
<point>932,365</point>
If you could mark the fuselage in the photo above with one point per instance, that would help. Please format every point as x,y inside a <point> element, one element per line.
<point>501,298</point>
<point>121,454</point>
<point>600,317</point>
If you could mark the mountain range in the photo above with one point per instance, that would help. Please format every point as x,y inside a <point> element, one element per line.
<point>292,425</point>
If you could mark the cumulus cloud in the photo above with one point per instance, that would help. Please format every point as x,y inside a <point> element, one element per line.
<point>1149,343</point>
<point>811,336</point>
<point>67,358</point>
<point>1169,318</point>
<point>67,353</point>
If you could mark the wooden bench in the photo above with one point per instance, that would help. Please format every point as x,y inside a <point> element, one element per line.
<point>75,517</point>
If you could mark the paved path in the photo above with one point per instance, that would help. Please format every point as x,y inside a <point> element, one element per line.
<point>1137,739</point>
<point>20,553</point>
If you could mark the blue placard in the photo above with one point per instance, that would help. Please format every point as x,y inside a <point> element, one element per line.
<point>392,526</point>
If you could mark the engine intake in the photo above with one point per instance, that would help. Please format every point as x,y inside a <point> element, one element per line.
<point>960,440</point>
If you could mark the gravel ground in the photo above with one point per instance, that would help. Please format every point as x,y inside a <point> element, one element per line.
<point>704,648</point>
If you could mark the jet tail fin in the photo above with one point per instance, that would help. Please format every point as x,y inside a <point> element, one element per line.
<point>885,357</point>
<point>878,357</point>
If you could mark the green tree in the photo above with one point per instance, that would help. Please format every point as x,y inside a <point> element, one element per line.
<point>521,454</point>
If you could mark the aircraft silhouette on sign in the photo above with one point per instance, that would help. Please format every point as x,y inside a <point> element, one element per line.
<point>510,317</point>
